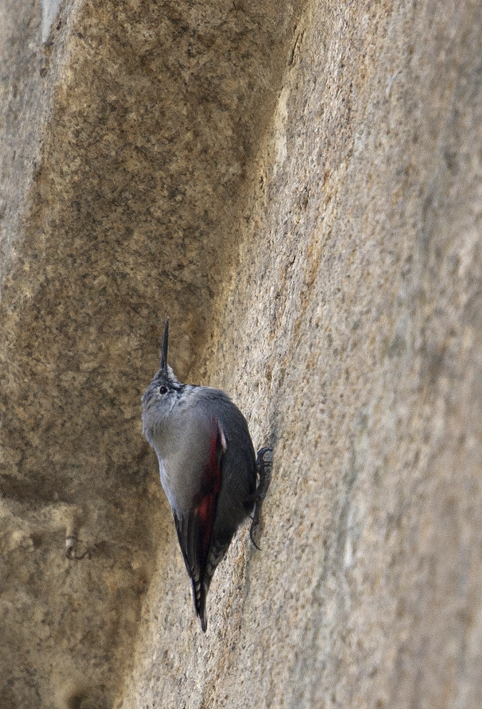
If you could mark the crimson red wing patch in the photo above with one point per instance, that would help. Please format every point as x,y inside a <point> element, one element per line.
<point>205,501</point>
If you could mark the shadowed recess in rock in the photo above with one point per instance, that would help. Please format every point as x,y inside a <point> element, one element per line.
<point>132,190</point>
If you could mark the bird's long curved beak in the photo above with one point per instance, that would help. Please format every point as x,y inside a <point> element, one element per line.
<point>165,340</point>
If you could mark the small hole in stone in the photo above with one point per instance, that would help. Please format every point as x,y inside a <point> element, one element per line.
<point>75,701</point>
<point>36,540</point>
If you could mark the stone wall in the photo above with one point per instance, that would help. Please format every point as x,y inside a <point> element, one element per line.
<point>299,186</point>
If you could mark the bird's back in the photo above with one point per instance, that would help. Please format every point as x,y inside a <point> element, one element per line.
<point>229,503</point>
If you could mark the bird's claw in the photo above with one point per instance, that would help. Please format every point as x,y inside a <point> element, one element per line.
<point>263,469</point>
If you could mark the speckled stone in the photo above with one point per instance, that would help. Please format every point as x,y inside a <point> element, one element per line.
<point>299,186</point>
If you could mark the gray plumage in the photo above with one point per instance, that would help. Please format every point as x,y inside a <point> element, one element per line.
<point>207,466</point>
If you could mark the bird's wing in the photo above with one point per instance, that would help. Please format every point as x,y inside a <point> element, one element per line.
<point>195,527</point>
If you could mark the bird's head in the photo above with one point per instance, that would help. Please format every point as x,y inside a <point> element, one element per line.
<point>164,390</point>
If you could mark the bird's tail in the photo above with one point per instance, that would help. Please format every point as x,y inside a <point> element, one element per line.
<point>199,593</point>
<point>200,588</point>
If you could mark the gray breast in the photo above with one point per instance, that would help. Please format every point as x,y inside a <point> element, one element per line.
<point>183,446</point>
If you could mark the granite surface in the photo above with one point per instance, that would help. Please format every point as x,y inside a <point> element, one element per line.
<point>299,186</point>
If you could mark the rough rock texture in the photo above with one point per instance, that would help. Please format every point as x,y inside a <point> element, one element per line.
<point>50,9</point>
<point>300,188</point>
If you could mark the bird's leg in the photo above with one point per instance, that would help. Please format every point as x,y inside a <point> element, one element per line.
<point>263,469</point>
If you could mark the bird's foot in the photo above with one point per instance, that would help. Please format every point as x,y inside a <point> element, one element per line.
<point>263,469</point>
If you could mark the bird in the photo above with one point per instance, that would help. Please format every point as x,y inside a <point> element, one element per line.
<point>207,466</point>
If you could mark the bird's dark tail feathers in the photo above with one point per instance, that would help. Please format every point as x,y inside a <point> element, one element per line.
<point>200,588</point>
<point>199,594</point>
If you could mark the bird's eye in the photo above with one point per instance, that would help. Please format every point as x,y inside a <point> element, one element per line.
<point>163,390</point>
